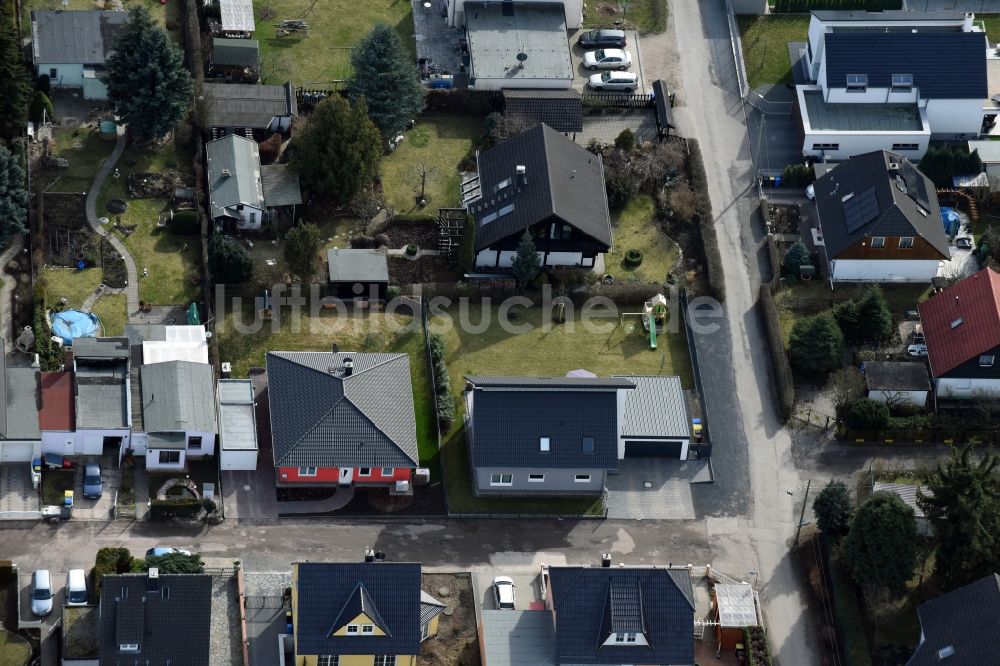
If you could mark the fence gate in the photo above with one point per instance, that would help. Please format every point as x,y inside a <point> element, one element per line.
<point>263,602</point>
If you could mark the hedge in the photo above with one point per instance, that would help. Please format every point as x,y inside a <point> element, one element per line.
<point>110,561</point>
<point>798,6</point>
<point>443,401</point>
<point>464,101</point>
<point>783,381</point>
<point>185,223</point>
<point>755,639</point>
<point>847,608</point>
<point>188,507</point>
<point>706,223</point>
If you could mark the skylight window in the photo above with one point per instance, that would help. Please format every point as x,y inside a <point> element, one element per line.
<point>857,82</point>
<point>504,183</point>
<point>544,444</point>
<point>958,322</point>
<point>902,82</point>
<point>506,210</point>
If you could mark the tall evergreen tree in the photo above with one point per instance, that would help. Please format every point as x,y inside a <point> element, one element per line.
<point>147,79</point>
<point>526,264</point>
<point>816,344</point>
<point>963,507</point>
<point>386,77</point>
<point>833,508</point>
<point>13,196</point>
<point>339,150</point>
<point>880,549</point>
<point>302,245</point>
<point>874,317</point>
<point>15,78</point>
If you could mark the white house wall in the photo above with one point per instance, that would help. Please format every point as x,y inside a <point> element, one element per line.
<point>15,451</point>
<point>857,143</point>
<point>955,118</point>
<point>207,444</point>
<point>573,8</point>
<point>898,398</point>
<point>967,388</point>
<point>884,270</point>
<point>250,218</point>
<point>70,76</point>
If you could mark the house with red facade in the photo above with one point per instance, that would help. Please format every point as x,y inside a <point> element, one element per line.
<point>341,419</point>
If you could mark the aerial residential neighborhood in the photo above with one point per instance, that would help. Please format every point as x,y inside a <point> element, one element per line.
<point>465,333</point>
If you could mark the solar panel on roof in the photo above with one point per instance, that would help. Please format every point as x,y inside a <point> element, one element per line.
<point>860,210</point>
<point>626,606</point>
<point>915,186</point>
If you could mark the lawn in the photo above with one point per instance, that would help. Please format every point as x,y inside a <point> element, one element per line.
<point>992,23</point>
<point>440,143</point>
<point>765,46</point>
<point>111,309</point>
<point>54,485</point>
<point>269,263</point>
<point>545,352</point>
<point>635,228</point>
<point>391,333</point>
<point>323,56</point>
<point>85,151</point>
<point>640,14</point>
<point>14,650</point>
<point>73,285</point>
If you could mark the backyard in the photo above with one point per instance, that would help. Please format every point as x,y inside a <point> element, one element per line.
<point>269,263</point>
<point>553,352</point>
<point>85,151</point>
<point>322,56</point>
<point>635,228</point>
<point>765,46</point>
<point>438,144</point>
<point>55,483</point>
<point>398,333</point>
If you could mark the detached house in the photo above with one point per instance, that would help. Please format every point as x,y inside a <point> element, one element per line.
<point>621,615</point>
<point>962,332</point>
<point>341,418</point>
<point>879,221</point>
<point>543,183</point>
<point>892,80</point>
<point>242,193</point>
<point>961,627</point>
<point>178,412</point>
<point>361,613</point>
<point>70,47</point>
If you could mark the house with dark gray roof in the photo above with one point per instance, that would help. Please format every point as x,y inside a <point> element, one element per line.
<point>545,184</point>
<point>543,435</point>
<point>238,107</point>
<point>242,193</point>
<point>341,418</point>
<point>179,414</point>
<point>961,627</point>
<point>70,47</point>
<point>891,81</point>
<point>20,402</point>
<point>367,612</point>
<point>879,221</point>
<point>621,615</point>
<point>155,618</point>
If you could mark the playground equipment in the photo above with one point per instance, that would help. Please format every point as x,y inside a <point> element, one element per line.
<point>654,317</point>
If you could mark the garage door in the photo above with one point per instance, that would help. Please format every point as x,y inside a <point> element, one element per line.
<point>638,448</point>
<point>16,452</point>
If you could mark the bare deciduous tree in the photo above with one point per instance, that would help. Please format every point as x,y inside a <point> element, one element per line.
<point>419,174</point>
<point>368,203</point>
<point>684,202</point>
<point>846,385</point>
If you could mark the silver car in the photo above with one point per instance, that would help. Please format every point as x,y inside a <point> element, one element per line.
<point>93,486</point>
<point>607,59</point>
<point>41,592</point>
<point>614,82</point>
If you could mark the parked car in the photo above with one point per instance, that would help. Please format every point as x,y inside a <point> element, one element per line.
<point>614,81</point>
<point>76,588</point>
<point>607,59</point>
<point>41,592</point>
<point>918,335</point>
<point>605,37</point>
<point>917,350</point>
<point>503,592</point>
<point>160,551</point>
<point>93,486</point>
<point>964,243</point>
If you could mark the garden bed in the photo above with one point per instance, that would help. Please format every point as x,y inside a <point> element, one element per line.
<point>68,236</point>
<point>404,232</point>
<point>404,272</point>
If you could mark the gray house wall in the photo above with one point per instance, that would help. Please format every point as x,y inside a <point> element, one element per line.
<point>557,481</point>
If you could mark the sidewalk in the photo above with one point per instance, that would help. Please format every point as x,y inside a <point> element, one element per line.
<point>141,481</point>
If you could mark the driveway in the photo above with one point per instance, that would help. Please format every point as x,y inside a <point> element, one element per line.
<point>527,586</point>
<point>265,614</point>
<point>16,494</point>
<point>583,74</point>
<point>249,496</point>
<point>650,489</point>
<point>97,509</point>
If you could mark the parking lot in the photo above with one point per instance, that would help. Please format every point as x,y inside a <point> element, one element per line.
<point>583,74</point>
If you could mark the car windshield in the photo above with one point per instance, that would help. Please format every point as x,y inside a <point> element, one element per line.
<point>92,480</point>
<point>42,594</point>
<point>78,596</point>
<point>606,76</point>
<point>593,34</point>
<point>599,55</point>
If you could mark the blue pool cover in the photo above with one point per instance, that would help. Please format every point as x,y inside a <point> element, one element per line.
<point>72,324</point>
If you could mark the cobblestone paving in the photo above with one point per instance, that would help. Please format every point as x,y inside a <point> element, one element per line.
<point>667,498</point>
<point>225,626</point>
<point>16,493</point>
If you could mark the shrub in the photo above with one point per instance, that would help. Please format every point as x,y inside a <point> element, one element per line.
<point>797,175</point>
<point>880,549</point>
<point>816,344</point>
<point>867,414</point>
<point>445,410</point>
<point>269,149</point>
<point>40,107</point>
<point>833,508</point>
<point>625,141</point>
<point>187,507</point>
<point>684,202</point>
<point>783,381</point>
<point>706,223</point>
<point>391,292</point>
<point>382,240</point>
<point>229,261</point>
<point>633,258</point>
<point>755,639</point>
<point>110,561</point>
<point>362,242</point>
<point>209,505</point>
<point>411,250</point>
<point>796,256</point>
<point>942,163</point>
<point>442,381</point>
<point>185,223</point>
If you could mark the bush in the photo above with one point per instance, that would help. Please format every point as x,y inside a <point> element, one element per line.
<point>633,258</point>
<point>942,163</point>
<point>391,292</point>
<point>684,202</point>
<point>816,344</point>
<point>269,149</point>
<point>208,504</point>
<point>110,561</point>
<point>43,85</point>
<point>625,141</point>
<point>442,381</point>
<point>411,250</point>
<point>363,242</point>
<point>755,639</point>
<point>445,410</point>
<point>867,414</point>
<point>229,261</point>
<point>188,507</point>
<point>706,223</point>
<point>783,381</point>
<point>797,175</point>
<point>185,223</point>
<point>40,107</point>
<point>796,257</point>
<point>465,101</point>
<point>382,240</point>
<point>833,508</point>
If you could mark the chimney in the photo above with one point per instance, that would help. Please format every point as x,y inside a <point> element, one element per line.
<point>606,560</point>
<point>522,174</point>
<point>369,555</point>
<point>956,300</point>
<point>226,173</point>
<point>348,367</point>
<point>153,580</point>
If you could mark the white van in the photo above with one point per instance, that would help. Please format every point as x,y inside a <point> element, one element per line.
<point>76,588</point>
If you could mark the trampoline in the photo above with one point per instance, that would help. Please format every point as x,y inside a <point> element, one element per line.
<point>72,324</point>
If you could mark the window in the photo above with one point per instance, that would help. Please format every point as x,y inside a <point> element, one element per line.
<point>630,638</point>
<point>167,457</point>
<point>328,660</point>
<point>625,639</point>
<point>986,361</point>
<point>502,480</point>
<point>906,146</point>
<point>826,146</point>
<point>878,241</point>
<point>857,82</point>
<point>582,478</point>
<point>957,322</point>
<point>194,443</point>
<point>902,82</point>
<point>543,444</point>
<point>536,478</point>
<point>906,242</point>
<point>588,444</point>
<point>503,183</point>
<point>368,629</point>
<point>387,471</point>
<point>307,471</point>
<point>567,232</point>
<point>128,647</point>
<point>384,660</point>
<point>53,73</point>
<point>352,629</point>
<point>364,471</point>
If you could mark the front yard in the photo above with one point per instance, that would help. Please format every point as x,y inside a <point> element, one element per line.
<point>542,352</point>
<point>636,228</point>
<point>765,45</point>
<point>55,483</point>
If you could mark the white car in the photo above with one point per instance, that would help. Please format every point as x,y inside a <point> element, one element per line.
<point>41,592</point>
<point>917,350</point>
<point>503,592</point>
<point>614,81</point>
<point>607,59</point>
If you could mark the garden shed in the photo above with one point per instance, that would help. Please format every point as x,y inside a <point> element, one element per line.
<point>897,383</point>
<point>735,609</point>
<point>357,273</point>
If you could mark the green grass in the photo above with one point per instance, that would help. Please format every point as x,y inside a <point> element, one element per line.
<point>85,151</point>
<point>14,650</point>
<point>546,352</point>
<point>441,143</point>
<point>391,333</point>
<point>334,27</point>
<point>992,23</point>
<point>73,285</point>
<point>54,485</point>
<point>635,228</point>
<point>765,46</point>
<point>334,232</point>
<point>112,310</point>
<point>640,14</point>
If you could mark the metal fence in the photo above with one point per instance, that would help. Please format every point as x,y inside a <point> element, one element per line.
<point>737,47</point>
<point>263,602</point>
<point>617,100</point>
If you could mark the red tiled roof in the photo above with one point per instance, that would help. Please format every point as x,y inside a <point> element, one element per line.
<point>57,402</point>
<point>962,321</point>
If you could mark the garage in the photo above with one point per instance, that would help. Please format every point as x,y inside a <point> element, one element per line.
<point>654,421</point>
<point>237,425</point>
<point>11,452</point>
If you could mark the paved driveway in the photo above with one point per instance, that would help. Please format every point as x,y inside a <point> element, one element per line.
<point>265,614</point>
<point>99,509</point>
<point>583,74</point>
<point>16,493</point>
<point>650,489</point>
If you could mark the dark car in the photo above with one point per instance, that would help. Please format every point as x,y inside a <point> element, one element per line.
<point>603,38</point>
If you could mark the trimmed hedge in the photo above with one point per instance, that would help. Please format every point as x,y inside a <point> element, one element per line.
<point>755,640</point>
<point>443,401</point>
<point>188,507</point>
<point>706,223</point>
<point>185,223</point>
<point>464,101</point>
<point>799,6</point>
<point>783,381</point>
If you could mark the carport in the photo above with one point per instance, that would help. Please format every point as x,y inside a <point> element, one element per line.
<point>654,422</point>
